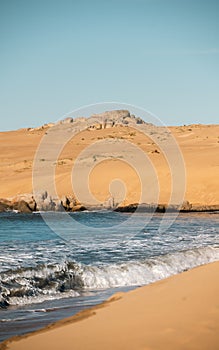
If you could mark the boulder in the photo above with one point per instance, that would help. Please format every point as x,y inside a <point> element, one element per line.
<point>32,204</point>
<point>72,202</point>
<point>28,198</point>
<point>186,206</point>
<point>65,202</point>
<point>58,205</point>
<point>109,203</point>
<point>5,205</point>
<point>22,207</point>
<point>78,207</point>
<point>48,204</point>
<point>44,202</point>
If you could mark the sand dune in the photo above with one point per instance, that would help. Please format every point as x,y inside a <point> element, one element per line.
<point>199,145</point>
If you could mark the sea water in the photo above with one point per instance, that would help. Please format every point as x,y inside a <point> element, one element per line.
<point>45,277</point>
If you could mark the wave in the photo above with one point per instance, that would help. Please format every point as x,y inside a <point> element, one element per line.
<point>70,279</point>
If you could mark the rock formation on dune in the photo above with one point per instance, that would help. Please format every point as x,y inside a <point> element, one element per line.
<point>110,119</point>
<point>105,120</point>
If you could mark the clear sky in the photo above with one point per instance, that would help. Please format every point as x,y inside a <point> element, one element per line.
<point>58,55</point>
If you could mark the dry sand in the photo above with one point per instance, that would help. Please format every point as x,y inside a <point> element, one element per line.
<point>199,145</point>
<point>180,312</point>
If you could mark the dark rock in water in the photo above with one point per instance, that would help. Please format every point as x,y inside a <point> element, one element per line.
<point>150,208</point>
<point>142,208</point>
<point>161,208</point>
<point>131,208</point>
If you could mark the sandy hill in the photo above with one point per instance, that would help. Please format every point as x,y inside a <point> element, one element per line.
<point>98,145</point>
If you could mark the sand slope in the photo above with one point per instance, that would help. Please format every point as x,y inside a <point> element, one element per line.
<point>199,145</point>
<point>181,312</point>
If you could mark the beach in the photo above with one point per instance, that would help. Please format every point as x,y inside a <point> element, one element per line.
<point>181,312</point>
<point>109,175</point>
<point>56,263</point>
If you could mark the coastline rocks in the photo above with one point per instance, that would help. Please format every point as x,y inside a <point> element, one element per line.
<point>186,206</point>
<point>162,208</point>
<point>68,203</point>
<point>204,208</point>
<point>5,205</point>
<point>110,204</point>
<point>27,203</point>
<point>45,202</point>
<point>78,207</point>
<point>22,207</point>
<point>27,198</point>
<point>19,204</point>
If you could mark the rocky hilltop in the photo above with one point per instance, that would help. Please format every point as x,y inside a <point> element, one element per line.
<point>108,119</point>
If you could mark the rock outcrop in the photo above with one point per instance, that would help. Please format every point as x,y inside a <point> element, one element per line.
<point>67,120</point>
<point>44,202</point>
<point>111,119</point>
<point>27,198</point>
<point>22,207</point>
<point>103,120</point>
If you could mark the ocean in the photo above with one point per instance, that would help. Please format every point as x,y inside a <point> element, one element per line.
<point>45,276</point>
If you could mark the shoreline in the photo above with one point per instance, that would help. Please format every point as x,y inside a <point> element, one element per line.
<point>181,311</point>
<point>26,203</point>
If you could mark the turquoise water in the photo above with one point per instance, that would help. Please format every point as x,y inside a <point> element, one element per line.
<point>45,276</point>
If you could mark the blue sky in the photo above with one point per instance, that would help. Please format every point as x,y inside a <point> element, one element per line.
<point>56,56</point>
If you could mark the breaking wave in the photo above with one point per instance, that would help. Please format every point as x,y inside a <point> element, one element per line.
<point>70,279</point>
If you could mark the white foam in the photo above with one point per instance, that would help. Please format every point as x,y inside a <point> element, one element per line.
<point>78,277</point>
<point>147,271</point>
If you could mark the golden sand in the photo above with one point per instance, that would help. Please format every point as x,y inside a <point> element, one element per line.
<point>199,145</point>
